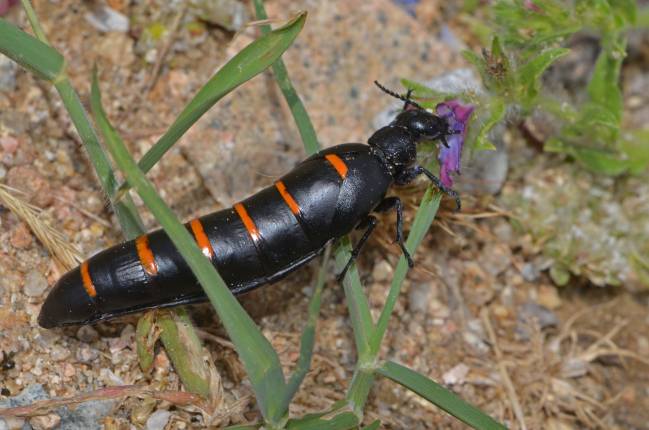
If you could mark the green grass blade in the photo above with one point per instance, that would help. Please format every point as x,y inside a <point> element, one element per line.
<point>252,60</point>
<point>439,396</point>
<point>304,124</point>
<point>342,421</point>
<point>423,219</point>
<point>374,426</point>
<point>259,358</point>
<point>308,334</point>
<point>32,54</point>
<point>359,308</point>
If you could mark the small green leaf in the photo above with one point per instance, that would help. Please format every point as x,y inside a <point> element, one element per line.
<point>635,144</point>
<point>480,64</point>
<point>496,111</point>
<point>603,87</point>
<point>559,274</point>
<point>439,396</point>
<point>529,75</point>
<point>185,350</point>
<point>146,337</point>
<point>600,161</point>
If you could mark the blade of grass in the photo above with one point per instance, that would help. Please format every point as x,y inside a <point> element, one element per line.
<point>302,120</point>
<point>308,334</point>
<point>359,308</point>
<point>423,219</point>
<point>249,62</point>
<point>376,424</point>
<point>32,54</point>
<point>343,421</point>
<point>258,356</point>
<point>439,396</point>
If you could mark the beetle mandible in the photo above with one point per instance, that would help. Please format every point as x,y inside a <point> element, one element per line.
<point>264,237</point>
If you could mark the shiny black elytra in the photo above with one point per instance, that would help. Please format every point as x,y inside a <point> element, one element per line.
<point>263,238</point>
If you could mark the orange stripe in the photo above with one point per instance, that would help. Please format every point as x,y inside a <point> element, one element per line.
<point>247,221</point>
<point>87,281</point>
<point>146,256</point>
<point>201,238</point>
<point>292,204</point>
<point>338,164</point>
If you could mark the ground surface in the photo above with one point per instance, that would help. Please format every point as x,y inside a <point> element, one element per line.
<point>478,313</point>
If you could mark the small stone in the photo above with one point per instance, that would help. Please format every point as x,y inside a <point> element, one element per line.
<point>419,297</point>
<point>21,237</point>
<point>58,353</point>
<point>45,422</point>
<point>531,313</point>
<point>8,70</point>
<point>549,297</point>
<point>12,423</point>
<point>529,272</point>
<point>68,370</point>
<point>382,271</point>
<point>35,284</point>
<point>574,368</point>
<point>229,14</point>
<point>543,315</point>
<point>456,375</point>
<point>158,420</point>
<point>87,334</point>
<point>86,354</point>
<point>106,19</point>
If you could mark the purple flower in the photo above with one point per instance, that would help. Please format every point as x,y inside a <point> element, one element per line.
<point>457,115</point>
<point>5,5</point>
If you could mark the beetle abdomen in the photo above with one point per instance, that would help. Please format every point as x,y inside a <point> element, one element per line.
<point>257,241</point>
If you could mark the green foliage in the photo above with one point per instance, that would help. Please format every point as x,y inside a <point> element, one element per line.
<point>527,40</point>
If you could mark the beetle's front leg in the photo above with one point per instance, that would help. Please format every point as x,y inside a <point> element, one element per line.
<point>410,174</point>
<point>390,203</point>
<point>369,222</point>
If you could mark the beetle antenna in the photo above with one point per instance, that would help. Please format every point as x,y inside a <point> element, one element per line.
<point>405,98</point>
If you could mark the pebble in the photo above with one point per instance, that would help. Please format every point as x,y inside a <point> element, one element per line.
<point>530,272</point>
<point>35,284</point>
<point>158,420</point>
<point>105,19</point>
<point>530,312</point>
<point>419,297</point>
<point>45,422</point>
<point>456,375</point>
<point>8,70</point>
<point>86,354</point>
<point>58,353</point>
<point>382,271</point>
<point>229,14</point>
<point>549,297</point>
<point>87,334</point>
<point>21,237</point>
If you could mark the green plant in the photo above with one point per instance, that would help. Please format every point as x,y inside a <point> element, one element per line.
<point>529,36</point>
<point>273,390</point>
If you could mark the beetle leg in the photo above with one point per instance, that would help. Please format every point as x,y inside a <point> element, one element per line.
<point>390,203</point>
<point>370,222</point>
<point>408,175</point>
